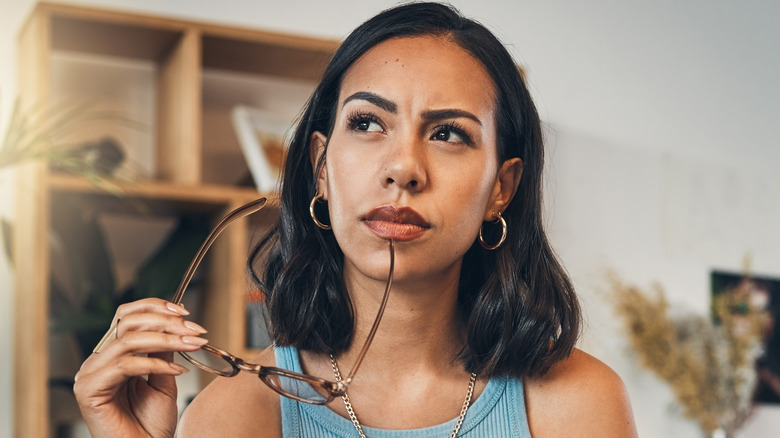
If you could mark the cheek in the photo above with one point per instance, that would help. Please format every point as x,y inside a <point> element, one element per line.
<point>480,200</point>
<point>344,169</point>
<point>471,180</point>
<point>466,197</point>
<point>346,176</point>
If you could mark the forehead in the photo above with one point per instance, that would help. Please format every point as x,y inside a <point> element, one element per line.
<point>420,68</point>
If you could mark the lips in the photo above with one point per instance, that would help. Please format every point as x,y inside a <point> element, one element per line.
<point>391,222</point>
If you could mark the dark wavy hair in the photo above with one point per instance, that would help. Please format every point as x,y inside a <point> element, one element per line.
<point>519,308</point>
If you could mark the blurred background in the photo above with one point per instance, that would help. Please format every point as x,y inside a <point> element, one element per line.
<point>661,153</point>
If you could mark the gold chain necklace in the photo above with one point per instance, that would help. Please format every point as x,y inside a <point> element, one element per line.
<point>353,417</point>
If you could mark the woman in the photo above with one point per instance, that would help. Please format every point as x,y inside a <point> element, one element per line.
<point>422,133</point>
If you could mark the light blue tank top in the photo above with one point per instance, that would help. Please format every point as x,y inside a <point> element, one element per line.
<point>497,413</point>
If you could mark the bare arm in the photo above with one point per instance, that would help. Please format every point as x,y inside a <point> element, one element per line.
<point>240,406</point>
<point>581,397</point>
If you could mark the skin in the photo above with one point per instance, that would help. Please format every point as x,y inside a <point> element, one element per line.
<point>392,145</point>
<point>114,397</point>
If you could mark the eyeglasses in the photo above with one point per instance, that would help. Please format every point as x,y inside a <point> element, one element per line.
<point>297,386</point>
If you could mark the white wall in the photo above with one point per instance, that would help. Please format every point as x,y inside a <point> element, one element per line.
<point>661,143</point>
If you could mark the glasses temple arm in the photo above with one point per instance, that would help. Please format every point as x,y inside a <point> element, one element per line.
<point>238,213</point>
<point>378,317</point>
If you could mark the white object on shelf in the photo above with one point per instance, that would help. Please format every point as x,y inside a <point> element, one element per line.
<point>262,138</point>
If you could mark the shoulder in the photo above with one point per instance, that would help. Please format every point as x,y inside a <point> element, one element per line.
<point>238,406</point>
<point>579,396</point>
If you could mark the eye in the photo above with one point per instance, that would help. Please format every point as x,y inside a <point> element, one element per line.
<point>364,122</point>
<point>451,133</point>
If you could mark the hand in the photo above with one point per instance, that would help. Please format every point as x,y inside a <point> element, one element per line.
<point>114,397</point>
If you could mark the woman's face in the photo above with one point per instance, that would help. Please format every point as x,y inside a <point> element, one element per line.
<point>413,157</point>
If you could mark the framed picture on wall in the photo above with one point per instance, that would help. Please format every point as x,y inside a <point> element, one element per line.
<point>262,137</point>
<point>764,294</point>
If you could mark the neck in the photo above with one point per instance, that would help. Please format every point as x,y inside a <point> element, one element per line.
<point>413,352</point>
<point>420,327</point>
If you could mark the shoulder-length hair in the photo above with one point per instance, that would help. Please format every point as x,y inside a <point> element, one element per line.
<point>517,303</point>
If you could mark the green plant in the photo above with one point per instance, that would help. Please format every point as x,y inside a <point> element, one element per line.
<point>84,303</point>
<point>37,135</point>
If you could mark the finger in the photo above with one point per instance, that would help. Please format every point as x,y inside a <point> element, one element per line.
<point>163,382</point>
<point>150,305</point>
<point>157,322</point>
<point>134,343</point>
<point>138,343</point>
<point>103,382</point>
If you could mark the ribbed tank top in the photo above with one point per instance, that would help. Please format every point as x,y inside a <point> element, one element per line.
<point>498,412</point>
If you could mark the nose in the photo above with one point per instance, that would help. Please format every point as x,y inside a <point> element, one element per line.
<point>405,167</point>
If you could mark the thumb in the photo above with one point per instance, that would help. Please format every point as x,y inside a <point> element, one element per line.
<point>163,382</point>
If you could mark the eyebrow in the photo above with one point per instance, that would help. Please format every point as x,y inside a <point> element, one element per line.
<point>449,114</point>
<point>375,99</point>
<point>392,107</point>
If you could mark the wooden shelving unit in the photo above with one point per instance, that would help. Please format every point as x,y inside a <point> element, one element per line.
<point>189,75</point>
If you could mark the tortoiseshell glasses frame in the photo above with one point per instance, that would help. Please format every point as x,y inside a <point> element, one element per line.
<point>297,386</point>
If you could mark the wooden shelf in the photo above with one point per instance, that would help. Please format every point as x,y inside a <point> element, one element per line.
<point>291,60</point>
<point>186,153</point>
<point>88,35</point>
<point>163,191</point>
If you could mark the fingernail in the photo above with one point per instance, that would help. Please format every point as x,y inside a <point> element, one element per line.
<point>181,369</point>
<point>179,310</point>
<point>195,327</point>
<point>194,340</point>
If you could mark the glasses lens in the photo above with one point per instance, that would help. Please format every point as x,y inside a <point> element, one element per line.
<point>211,361</point>
<point>297,389</point>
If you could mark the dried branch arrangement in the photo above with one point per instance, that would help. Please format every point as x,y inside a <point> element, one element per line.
<point>708,361</point>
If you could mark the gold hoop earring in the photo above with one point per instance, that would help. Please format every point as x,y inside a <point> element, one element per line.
<point>499,218</point>
<point>314,200</point>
